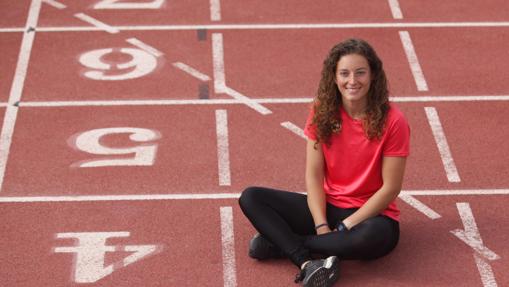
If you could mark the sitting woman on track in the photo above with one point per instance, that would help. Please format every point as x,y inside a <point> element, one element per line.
<point>355,160</point>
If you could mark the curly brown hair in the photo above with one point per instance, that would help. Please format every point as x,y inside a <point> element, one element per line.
<point>328,100</point>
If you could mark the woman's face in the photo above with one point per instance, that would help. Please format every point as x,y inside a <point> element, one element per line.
<point>353,77</point>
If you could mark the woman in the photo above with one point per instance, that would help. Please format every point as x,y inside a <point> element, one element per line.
<point>355,160</point>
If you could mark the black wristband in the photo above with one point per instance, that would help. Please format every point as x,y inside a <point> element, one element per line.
<point>320,225</point>
<point>341,226</point>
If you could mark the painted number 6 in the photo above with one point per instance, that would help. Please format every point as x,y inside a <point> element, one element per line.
<point>141,64</point>
<point>144,154</point>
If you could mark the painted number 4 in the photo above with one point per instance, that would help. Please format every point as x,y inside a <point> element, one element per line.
<point>141,155</point>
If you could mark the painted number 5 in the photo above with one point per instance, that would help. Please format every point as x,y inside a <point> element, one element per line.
<point>118,4</point>
<point>140,64</point>
<point>144,154</point>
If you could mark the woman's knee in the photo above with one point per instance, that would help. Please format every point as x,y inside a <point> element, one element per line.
<point>249,196</point>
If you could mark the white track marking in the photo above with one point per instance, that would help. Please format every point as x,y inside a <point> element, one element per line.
<point>487,276</point>
<point>191,71</point>
<point>247,101</point>
<point>208,196</point>
<point>443,147</point>
<point>223,149</point>
<point>276,26</point>
<point>470,235</point>
<point>218,63</point>
<point>118,4</point>
<point>100,25</point>
<point>147,48</point>
<point>228,247</point>
<point>395,9</point>
<point>415,67</point>
<point>55,4</point>
<point>237,102</point>
<point>294,129</point>
<point>424,209</point>
<point>215,10</point>
<point>11,112</point>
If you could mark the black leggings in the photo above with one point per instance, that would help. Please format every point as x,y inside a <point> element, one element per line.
<point>284,219</point>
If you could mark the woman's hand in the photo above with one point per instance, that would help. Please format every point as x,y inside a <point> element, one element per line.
<point>323,229</point>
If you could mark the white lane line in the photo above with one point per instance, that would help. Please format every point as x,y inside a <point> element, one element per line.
<point>487,276</point>
<point>11,112</point>
<point>294,129</point>
<point>191,71</point>
<point>395,9</point>
<point>424,209</point>
<point>415,67</point>
<point>277,26</point>
<point>470,235</point>
<point>218,63</point>
<point>237,102</point>
<point>223,149</point>
<point>215,10</point>
<point>247,101</point>
<point>443,147</point>
<point>228,247</point>
<point>212,196</point>
<point>147,48</point>
<point>100,25</point>
<point>55,4</point>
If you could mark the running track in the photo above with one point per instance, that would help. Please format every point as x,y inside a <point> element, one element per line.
<point>131,127</point>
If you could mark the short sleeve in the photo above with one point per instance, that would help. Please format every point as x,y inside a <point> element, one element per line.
<point>310,129</point>
<point>397,142</point>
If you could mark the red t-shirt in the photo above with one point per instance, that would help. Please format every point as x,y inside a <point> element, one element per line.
<point>353,163</point>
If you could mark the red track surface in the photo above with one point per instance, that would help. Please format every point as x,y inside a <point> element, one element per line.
<point>162,204</point>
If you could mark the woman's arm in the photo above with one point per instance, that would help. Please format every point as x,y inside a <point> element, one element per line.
<point>314,185</point>
<point>393,169</point>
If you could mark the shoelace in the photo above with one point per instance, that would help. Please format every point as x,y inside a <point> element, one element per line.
<point>299,277</point>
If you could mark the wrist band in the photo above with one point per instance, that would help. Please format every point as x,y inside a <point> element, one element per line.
<point>341,226</point>
<point>320,225</point>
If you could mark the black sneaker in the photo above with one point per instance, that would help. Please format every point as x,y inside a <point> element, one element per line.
<point>260,248</point>
<point>319,273</point>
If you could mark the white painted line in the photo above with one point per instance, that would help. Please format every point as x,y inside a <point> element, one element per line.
<point>395,9</point>
<point>55,4</point>
<point>18,82</point>
<point>424,209</point>
<point>276,26</point>
<point>214,196</point>
<point>100,25</point>
<point>237,102</point>
<point>247,101</point>
<point>147,48</point>
<point>228,247</point>
<point>470,235</point>
<point>223,149</point>
<point>218,63</point>
<point>456,192</point>
<point>443,147</point>
<point>215,10</point>
<point>487,276</point>
<point>415,67</point>
<point>191,71</point>
<point>294,129</point>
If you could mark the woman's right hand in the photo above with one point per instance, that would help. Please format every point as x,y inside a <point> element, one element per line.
<point>323,230</point>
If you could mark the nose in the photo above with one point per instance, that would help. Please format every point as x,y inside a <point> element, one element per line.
<point>352,79</point>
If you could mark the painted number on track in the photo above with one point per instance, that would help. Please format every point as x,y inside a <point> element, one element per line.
<point>119,4</point>
<point>144,154</point>
<point>140,64</point>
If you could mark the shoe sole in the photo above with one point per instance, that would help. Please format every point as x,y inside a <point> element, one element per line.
<point>324,276</point>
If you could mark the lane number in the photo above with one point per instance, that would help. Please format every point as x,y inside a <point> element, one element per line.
<point>119,4</point>
<point>143,154</point>
<point>140,64</point>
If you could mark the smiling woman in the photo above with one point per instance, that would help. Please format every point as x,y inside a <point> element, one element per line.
<point>355,160</point>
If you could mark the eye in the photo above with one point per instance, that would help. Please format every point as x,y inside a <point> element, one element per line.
<point>343,74</point>
<point>360,73</point>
